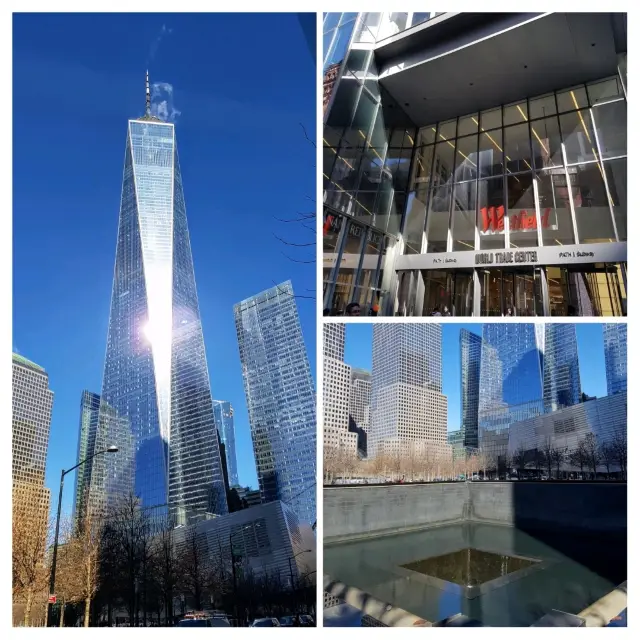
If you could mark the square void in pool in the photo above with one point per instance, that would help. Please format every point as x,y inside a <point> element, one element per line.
<point>473,570</point>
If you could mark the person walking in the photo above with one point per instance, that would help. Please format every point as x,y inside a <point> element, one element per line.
<point>353,309</point>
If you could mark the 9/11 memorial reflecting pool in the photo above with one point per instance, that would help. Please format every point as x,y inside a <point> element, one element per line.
<point>495,574</point>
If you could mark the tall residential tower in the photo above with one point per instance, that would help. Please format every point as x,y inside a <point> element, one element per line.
<point>280,398</point>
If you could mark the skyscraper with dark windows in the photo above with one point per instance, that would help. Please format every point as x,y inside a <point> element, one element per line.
<point>155,374</point>
<point>281,399</point>
<point>470,358</point>
<point>615,356</point>
<point>223,414</point>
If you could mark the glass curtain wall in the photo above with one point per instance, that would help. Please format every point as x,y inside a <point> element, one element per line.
<point>549,170</point>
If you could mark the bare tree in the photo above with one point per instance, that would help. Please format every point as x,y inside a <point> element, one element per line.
<point>546,455</point>
<point>193,566</point>
<point>619,446</point>
<point>559,457</point>
<point>30,533</point>
<point>519,459</point>
<point>607,456</point>
<point>592,452</point>
<point>578,458</point>
<point>164,569</point>
<point>68,578</point>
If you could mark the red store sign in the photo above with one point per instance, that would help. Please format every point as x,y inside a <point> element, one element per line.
<point>493,219</point>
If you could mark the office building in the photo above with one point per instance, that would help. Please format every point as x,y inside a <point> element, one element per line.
<point>223,415</point>
<point>155,374</point>
<point>615,356</point>
<point>407,403</point>
<point>280,398</point>
<point>501,191</point>
<point>32,402</point>
<point>336,394</point>
<point>561,377</point>
<point>333,340</point>
<point>360,398</point>
<point>470,358</point>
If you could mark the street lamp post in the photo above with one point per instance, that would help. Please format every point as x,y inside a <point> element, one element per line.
<point>295,595</point>
<point>52,579</point>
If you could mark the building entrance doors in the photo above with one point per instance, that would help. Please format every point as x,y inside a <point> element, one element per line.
<point>448,292</point>
<point>511,292</point>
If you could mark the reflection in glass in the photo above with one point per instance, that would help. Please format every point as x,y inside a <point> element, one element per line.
<point>572,99</point>
<point>438,219</point>
<point>616,172</point>
<point>593,217</point>
<point>447,130</point>
<point>413,232</point>
<point>577,133</point>
<point>330,234</point>
<point>611,127</point>
<point>491,119</point>
<point>468,124</point>
<point>339,45</point>
<point>545,137</point>
<point>427,135</point>
<point>542,107</point>
<point>517,148</point>
<point>463,224</point>
<point>523,224</point>
<point>605,90</point>
<point>491,213</point>
<point>515,113</point>
<point>555,207</point>
<point>443,161</point>
<point>424,163</point>
<point>466,158</point>
<point>490,154</point>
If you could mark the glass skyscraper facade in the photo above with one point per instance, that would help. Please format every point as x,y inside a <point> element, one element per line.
<point>526,370</point>
<point>561,379</point>
<point>155,373</point>
<point>615,356</point>
<point>281,399</point>
<point>470,358</point>
<point>511,381</point>
<point>223,414</point>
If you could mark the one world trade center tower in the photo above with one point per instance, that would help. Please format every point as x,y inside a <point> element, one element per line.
<point>155,375</point>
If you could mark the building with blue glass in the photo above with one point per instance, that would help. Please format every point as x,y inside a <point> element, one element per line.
<point>223,415</point>
<point>470,359</point>
<point>526,370</point>
<point>155,374</point>
<point>502,191</point>
<point>615,356</point>
<point>281,399</point>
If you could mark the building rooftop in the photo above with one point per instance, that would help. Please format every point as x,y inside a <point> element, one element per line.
<point>18,359</point>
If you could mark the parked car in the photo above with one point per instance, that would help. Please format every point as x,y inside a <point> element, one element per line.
<point>286,621</point>
<point>220,622</point>
<point>265,622</point>
<point>306,621</point>
<point>195,622</point>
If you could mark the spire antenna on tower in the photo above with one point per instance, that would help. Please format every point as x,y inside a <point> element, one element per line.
<point>148,107</point>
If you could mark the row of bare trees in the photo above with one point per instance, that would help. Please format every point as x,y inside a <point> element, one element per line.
<point>132,563</point>
<point>591,456</point>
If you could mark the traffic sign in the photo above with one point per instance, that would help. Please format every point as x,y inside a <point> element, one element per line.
<point>52,599</point>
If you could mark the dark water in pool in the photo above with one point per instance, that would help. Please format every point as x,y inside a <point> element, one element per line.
<point>516,577</point>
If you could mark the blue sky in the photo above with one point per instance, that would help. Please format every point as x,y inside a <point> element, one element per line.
<point>590,355</point>
<point>242,84</point>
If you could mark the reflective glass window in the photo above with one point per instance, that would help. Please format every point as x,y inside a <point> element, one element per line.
<point>447,130</point>
<point>555,208</point>
<point>517,148</point>
<point>572,99</point>
<point>427,135</point>
<point>521,211</point>
<point>491,213</point>
<point>463,223</point>
<point>546,141</point>
<point>414,224</point>
<point>611,127</point>
<point>466,158</point>
<point>468,124</point>
<point>616,173</point>
<point>491,119</point>
<point>577,133</point>
<point>490,154</point>
<point>542,106</point>
<point>591,205</point>
<point>605,90</point>
<point>443,162</point>
<point>424,164</point>
<point>438,219</point>
<point>515,113</point>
